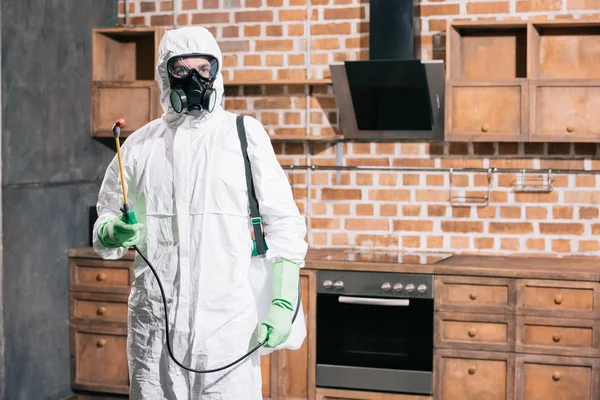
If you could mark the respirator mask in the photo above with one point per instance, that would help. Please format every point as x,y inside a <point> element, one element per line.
<point>191,77</point>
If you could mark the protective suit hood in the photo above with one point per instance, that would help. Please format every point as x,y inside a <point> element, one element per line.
<point>189,39</point>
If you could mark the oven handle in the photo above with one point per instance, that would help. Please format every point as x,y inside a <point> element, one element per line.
<point>375,302</point>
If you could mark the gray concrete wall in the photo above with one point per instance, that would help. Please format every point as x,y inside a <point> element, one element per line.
<point>51,173</point>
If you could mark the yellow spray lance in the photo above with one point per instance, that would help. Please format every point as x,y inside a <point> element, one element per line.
<point>129,217</point>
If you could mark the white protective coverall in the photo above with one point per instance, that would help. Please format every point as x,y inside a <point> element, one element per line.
<point>186,183</point>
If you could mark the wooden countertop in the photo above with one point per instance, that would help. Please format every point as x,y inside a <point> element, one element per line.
<point>567,268</point>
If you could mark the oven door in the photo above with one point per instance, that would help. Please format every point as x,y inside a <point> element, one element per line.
<point>373,343</point>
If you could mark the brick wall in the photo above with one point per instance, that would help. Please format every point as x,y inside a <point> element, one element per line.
<point>280,39</point>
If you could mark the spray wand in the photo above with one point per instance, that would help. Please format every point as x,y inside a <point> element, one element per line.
<point>129,217</point>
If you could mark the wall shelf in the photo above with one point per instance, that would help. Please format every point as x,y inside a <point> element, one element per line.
<point>273,82</point>
<point>306,138</point>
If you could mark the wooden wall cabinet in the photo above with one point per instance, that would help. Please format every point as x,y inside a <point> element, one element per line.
<point>123,78</point>
<point>523,81</point>
<point>516,339</point>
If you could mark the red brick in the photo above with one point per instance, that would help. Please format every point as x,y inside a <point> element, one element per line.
<point>254,16</point>
<point>589,197</point>
<point>437,25</point>
<point>561,245</point>
<point>274,45</point>
<point>539,5</point>
<point>325,223</point>
<point>559,228</point>
<point>365,179</point>
<point>486,212</point>
<point>252,60</point>
<point>253,74</point>
<point>341,194</point>
<point>367,224</point>
<point>161,20</point>
<point>389,195</point>
<point>147,6</point>
<point>435,180</point>
<point>585,180</point>
<point>588,245</point>
<point>461,212</point>
<point>462,226</point>
<point>536,213</point>
<point>375,162</point>
<point>562,212</point>
<point>388,210</point>
<point>459,242</point>
<point>273,103</point>
<point>551,197</point>
<point>445,9</point>
<point>210,18</point>
<point>341,209</point>
<point>296,30</point>
<point>296,59</point>
<point>365,210</point>
<point>583,5</point>
<point>432,196</point>
<point>510,212</point>
<point>357,42</point>
<point>274,3</point>
<point>325,44</point>
<point>166,5</point>
<point>497,7</point>
<point>345,13</point>
<point>536,244</point>
<point>511,227</point>
<point>339,239</point>
<point>295,3</point>
<point>588,213</point>
<point>231,32</point>
<point>292,15</point>
<point>385,148</point>
<point>253,3</point>
<point>510,244</point>
<point>435,242</point>
<point>436,211</point>
<point>411,210</point>
<point>274,30</point>
<point>411,242</point>
<point>376,240</point>
<point>484,243</point>
<point>388,179</point>
<point>411,179</point>
<point>414,226</point>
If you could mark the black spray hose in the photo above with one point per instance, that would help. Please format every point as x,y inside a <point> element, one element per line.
<point>206,371</point>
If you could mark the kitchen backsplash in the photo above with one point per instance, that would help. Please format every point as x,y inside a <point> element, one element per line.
<point>293,39</point>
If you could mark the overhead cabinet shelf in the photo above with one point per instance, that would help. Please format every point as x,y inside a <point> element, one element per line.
<point>523,81</point>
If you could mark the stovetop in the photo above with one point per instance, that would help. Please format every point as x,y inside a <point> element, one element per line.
<point>393,257</point>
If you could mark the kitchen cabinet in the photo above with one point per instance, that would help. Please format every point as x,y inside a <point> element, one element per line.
<point>526,81</point>
<point>521,339</point>
<point>123,78</point>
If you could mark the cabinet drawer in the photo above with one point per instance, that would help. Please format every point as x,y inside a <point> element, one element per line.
<point>101,276</point>
<point>96,307</point>
<point>99,359</point>
<point>558,298</point>
<point>557,378</point>
<point>565,111</point>
<point>473,375</point>
<point>576,337</point>
<point>474,294</point>
<point>487,111</point>
<point>474,331</point>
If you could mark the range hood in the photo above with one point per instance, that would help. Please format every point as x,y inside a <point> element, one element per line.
<point>392,96</point>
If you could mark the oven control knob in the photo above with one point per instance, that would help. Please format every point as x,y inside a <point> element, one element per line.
<point>421,288</point>
<point>397,287</point>
<point>338,285</point>
<point>386,286</point>
<point>327,284</point>
<point>410,287</point>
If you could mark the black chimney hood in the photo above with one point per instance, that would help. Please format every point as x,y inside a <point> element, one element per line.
<point>392,96</point>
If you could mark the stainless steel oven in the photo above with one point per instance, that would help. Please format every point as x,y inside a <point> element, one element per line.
<point>375,331</point>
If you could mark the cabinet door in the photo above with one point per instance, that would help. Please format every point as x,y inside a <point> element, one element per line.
<point>487,111</point>
<point>99,359</point>
<point>565,111</point>
<point>138,102</point>
<point>473,375</point>
<point>557,378</point>
<point>265,368</point>
<point>295,369</point>
<point>474,294</point>
<point>474,331</point>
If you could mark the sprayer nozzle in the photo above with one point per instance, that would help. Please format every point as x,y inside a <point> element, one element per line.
<point>116,129</point>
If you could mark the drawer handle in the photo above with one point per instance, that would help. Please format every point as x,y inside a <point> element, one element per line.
<point>472,370</point>
<point>556,338</point>
<point>485,128</point>
<point>570,128</point>
<point>558,299</point>
<point>472,332</point>
<point>101,343</point>
<point>101,310</point>
<point>556,376</point>
<point>473,295</point>
<point>101,277</point>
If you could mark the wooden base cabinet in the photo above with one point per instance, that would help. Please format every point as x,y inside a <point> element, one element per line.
<point>517,339</point>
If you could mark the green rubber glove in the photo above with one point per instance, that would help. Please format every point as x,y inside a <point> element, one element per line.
<point>118,233</point>
<point>277,325</point>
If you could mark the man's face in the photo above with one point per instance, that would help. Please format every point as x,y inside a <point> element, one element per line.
<point>183,66</point>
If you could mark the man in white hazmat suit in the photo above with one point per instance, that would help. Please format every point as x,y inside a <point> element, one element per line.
<point>186,183</point>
